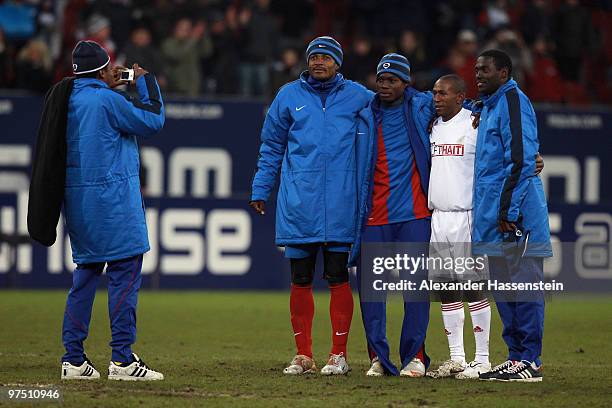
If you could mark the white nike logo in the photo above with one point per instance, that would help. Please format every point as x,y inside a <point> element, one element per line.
<point>321,45</point>
<point>361,133</point>
<point>300,108</point>
<point>341,334</point>
<point>295,334</point>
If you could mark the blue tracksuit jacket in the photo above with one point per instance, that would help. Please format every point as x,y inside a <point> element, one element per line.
<point>318,147</point>
<point>102,200</point>
<point>505,184</point>
<point>419,111</point>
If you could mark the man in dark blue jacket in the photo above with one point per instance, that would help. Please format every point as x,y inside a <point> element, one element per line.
<point>103,207</point>
<point>310,135</point>
<point>510,212</point>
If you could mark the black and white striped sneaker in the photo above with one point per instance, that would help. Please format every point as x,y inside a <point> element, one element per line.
<point>523,371</point>
<point>136,371</point>
<point>85,371</point>
<point>497,371</point>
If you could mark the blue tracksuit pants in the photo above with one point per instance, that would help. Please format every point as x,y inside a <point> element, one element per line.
<point>521,313</point>
<point>416,314</point>
<point>124,280</point>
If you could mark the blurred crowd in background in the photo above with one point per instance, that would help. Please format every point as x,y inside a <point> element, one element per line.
<point>561,49</point>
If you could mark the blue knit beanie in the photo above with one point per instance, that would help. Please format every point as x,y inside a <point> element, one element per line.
<point>395,64</point>
<point>88,56</point>
<point>325,45</point>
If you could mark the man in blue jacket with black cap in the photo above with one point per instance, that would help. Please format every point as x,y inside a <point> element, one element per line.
<point>103,207</point>
<point>393,206</point>
<point>510,213</point>
<point>310,135</point>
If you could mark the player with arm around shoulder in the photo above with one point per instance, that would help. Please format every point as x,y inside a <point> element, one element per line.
<point>510,209</point>
<point>393,208</point>
<point>453,147</point>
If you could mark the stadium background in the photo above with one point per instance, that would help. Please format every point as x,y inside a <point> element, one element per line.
<point>235,55</point>
<point>197,172</point>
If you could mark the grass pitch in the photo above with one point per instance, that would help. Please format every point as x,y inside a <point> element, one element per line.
<point>229,348</point>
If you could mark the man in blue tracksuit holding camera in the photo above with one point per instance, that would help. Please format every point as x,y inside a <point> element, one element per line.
<point>103,207</point>
<point>510,212</point>
<point>310,135</point>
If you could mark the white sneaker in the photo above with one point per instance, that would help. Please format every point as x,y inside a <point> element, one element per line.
<point>85,371</point>
<point>414,368</point>
<point>377,369</point>
<point>300,364</point>
<point>336,365</point>
<point>473,371</point>
<point>137,371</point>
<point>449,368</point>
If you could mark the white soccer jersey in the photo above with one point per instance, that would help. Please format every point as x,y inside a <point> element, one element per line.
<point>453,147</point>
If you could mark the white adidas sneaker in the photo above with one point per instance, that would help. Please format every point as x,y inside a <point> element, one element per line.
<point>448,368</point>
<point>377,369</point>
<point>85,371</point>
<point>137,371</point>
<point>473,371</point>
<point>300,364</point>
<point>336,365</point>
<point>415,368</point>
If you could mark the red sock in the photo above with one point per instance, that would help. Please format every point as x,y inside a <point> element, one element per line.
<point>341,313</point>
<point>301,305</point>
<point>421,354</point>
<point>371,353</point>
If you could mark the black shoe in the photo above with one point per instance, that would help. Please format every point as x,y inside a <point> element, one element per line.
<point>523,371</point>
<point>497,371</point>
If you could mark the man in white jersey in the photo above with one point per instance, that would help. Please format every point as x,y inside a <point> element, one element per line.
<point>453,146</point>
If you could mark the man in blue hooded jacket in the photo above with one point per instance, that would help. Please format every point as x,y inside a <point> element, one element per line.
<point>510,212</point>
<point>393,206</point>
<point>103,207</point>
<point>310,135</point>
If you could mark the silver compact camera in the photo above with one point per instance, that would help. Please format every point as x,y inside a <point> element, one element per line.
<point>127,75</point>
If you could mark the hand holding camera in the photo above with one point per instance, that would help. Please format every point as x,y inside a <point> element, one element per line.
<point>123,75</point>
<point>126,75</point>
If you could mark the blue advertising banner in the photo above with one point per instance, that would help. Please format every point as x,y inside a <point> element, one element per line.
<point>195,243</point>
<point>197,174</point>
<point>575,144</point>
